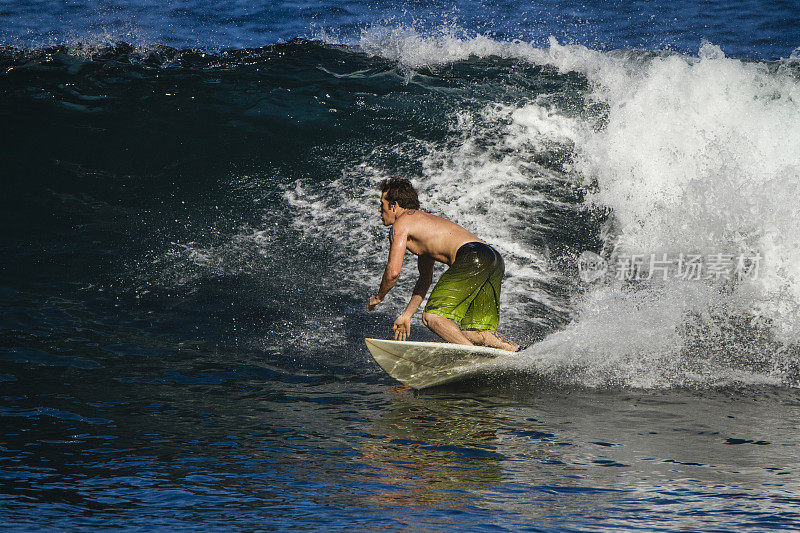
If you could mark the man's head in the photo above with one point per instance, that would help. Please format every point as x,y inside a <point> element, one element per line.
<point>397,194</point>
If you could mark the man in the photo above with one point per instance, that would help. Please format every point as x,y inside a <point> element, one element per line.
<point>468,293</point>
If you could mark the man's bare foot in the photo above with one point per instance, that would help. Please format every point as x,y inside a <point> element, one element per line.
<point>492,339</point>
<point>504,342</point>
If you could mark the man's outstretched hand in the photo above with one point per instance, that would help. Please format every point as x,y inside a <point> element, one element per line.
<point>373,302</point>
<point>402,328</point>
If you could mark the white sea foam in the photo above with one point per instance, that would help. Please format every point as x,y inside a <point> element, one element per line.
<point>695,154</point>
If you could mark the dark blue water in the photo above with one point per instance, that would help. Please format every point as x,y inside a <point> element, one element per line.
<point>752,28</point>
<point>190,235</point>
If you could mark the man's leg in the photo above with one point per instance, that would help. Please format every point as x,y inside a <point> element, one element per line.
<point>487,337</point>
<point>483,314</point>
<point>445,328</point>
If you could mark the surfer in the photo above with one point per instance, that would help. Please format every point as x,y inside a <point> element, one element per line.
<point>464,305</point>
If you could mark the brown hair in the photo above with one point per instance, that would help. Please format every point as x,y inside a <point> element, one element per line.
<point>399,190</point>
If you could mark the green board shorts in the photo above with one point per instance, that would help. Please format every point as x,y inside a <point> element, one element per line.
<point>469,291</point>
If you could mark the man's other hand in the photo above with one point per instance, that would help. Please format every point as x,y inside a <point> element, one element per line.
<point>402,328</point>
<point>373,302</point>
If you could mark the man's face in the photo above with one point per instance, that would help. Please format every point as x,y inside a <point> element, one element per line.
<point>387,213</point>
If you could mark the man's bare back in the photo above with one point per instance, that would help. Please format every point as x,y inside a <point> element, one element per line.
<point>430,235</point>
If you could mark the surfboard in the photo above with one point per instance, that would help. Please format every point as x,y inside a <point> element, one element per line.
<point>425,364</point>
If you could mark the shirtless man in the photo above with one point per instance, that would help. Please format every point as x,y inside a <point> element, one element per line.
<point>468,293</point>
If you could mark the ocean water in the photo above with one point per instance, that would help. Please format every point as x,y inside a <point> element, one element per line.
<point>190,234</point>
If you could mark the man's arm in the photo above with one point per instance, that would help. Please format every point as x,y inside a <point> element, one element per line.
<point>402,326</point>
<point>399,238</point>
<point>425,267</point>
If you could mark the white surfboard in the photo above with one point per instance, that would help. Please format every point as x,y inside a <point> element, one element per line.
<point>425,364</point>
